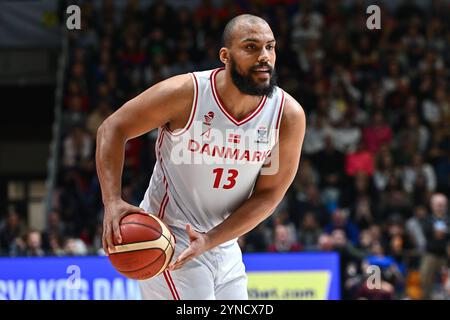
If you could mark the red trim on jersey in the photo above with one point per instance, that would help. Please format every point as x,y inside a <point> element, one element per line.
<point>279,113</point>
<point>163,207</point>
<point>191,116</point>
<point>169,284</point>
<point>160,138</point>
<point>160,144</point>
<point>221,105</point>
<point>165,200</point>
<point>173,284</point>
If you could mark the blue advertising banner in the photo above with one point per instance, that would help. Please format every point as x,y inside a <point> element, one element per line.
<point>63,278</point>
<point>271,276</point>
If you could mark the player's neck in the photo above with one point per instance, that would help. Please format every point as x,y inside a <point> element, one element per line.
<point>236,102</point>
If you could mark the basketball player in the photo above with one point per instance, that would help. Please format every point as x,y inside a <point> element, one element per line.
<point>235,120</point>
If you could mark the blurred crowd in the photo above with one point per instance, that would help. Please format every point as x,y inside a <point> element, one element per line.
<point>374,178</point>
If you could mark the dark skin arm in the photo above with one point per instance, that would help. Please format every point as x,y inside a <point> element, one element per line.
<point>167,102</point>
<point>269,189</point>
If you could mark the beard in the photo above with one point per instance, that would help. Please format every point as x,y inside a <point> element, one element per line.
<point>247,85</point>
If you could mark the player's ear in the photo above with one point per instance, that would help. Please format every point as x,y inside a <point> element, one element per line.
<point>224,55</point>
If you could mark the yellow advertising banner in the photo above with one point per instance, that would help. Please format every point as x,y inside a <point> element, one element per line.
<point>289,285</point>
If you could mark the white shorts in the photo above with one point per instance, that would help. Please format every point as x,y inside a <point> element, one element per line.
<point>216,274</point>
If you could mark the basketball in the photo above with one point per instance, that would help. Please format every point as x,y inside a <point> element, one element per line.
<point>147,247</point>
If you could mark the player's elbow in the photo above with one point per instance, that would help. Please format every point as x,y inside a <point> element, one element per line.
<point>275,192</point>
<point>271,197</point>
<point>103,130</point>
<point>109,130</point>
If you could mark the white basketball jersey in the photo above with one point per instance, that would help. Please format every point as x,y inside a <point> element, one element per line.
<point>208,169</point>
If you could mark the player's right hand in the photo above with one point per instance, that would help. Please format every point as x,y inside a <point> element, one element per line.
<point>114,212</point>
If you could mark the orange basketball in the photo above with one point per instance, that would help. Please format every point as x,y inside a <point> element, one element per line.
<point>147,247</point>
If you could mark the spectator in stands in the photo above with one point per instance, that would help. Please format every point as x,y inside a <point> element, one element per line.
<point>365,240</point>
<point>306,176</point>
<point>443,171</point>
<point>398,244</point>
<point>309,232</point>
<point>74,90</point>
<point>340,220</point>
<point>433,109</point>
<point>256,240</point>
<point>157,70</point>
<point>359,160</point>
<point>55,245</point>
<point>415,228</point>
<point>330,163</point>
<point>283,241</point>
<point>306,26</point>
<point>384,292</point>
<point>97,116</point>
<point>377,134</point>
<point>390,269</point>
<point>318,130</point>
<point>55,225</point>
<point>395,203</point>
<point>103,93</point>
<point>183,64</point>
<point>341,53</point>
<point>325,242</point>
<point>75,247</point>
<point>437,233</point>
<point>337,112</point>
<point>365,56</point>
<point>417,168</point>
<point>54,233</point>
<point>74,115</point>
<point>350,258</point>
<point>309,201</point>
<point>78,76</point>
<point>10,230</point>
<point>77,148</point>
<point>132,12</point>
<point>416,132</point>
<point>361,212</point>
<point>210,60</point>
<point>384,169</point>
<point>32,247</point>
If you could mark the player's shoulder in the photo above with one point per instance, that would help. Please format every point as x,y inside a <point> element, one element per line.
<point>205,74</point>
<point>292,111</point>
<point>176,91</point>
<point>178,85</point>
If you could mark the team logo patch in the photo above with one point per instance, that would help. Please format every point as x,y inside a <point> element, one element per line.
<point>262,135</point>
<point>207,120</point>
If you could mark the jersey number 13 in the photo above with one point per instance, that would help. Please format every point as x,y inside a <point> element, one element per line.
<point>231,179</point>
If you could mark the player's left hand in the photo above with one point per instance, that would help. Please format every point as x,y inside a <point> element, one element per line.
<point>197,247</point>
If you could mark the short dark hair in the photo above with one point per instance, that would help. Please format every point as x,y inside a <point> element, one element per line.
<point>227,35</point>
